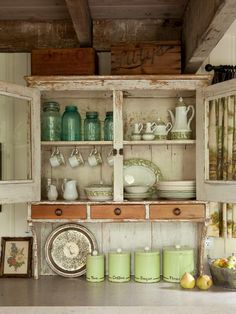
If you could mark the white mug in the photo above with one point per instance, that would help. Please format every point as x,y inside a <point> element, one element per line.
<point>94,158</point>
<point>75,158</point>
<point>138,128</point>
<point>150,127</point>
<point>110,158</point>
<point>57,159</point>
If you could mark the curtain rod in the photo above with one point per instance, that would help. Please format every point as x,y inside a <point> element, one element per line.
<point>210,67</point>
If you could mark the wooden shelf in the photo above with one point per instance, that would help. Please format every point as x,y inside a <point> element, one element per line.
<point>76,143</point>
<point>161,142</point>
<point>110,143</point>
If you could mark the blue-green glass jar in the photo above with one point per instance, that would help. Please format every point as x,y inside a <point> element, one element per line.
<point>92,127</point>
<point>51,122</point>
<point>108,126</point>
<point>71,124</point>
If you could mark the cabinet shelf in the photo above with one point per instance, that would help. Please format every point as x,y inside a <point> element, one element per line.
<point>76,143</point>
<point>161,142</point>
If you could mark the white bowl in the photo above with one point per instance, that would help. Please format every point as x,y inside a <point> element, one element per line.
<point>148,136</point>
<point>136,189</point>
<point>99,192</point>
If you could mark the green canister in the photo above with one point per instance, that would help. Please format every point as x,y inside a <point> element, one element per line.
<point>95,267</point>
<point>119,266</point>
<point>147,265</point>
<point>176,261</point>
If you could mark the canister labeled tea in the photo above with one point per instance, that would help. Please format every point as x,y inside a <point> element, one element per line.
<point>147,265</point>
<point>119,266</point>
<point>176,261</point>
<point>95,267</point>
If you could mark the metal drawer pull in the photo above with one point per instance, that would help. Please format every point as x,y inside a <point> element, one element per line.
<point>58,212</point>
<point>177,211</point>
<point>117,211</point>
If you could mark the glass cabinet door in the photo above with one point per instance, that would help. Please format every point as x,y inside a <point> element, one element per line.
<point>19,144</point>
<point>216,142</point>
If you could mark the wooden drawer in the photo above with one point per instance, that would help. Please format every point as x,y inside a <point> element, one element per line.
<point>118,211</point>
<point>177,211</point>
<point>45,211</point>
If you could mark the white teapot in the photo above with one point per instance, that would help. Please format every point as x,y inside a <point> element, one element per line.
<point>162,129</point>
<point>180,121</point>
<point>69,190</point>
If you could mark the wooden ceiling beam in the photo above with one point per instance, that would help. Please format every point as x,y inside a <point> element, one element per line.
<point>80,15</point>
<point>205,23</point>
<point>23,36</point>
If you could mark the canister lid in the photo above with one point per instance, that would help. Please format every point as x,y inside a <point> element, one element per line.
<point>95,255</point>
<point>147,251</point>
<point>120,252</point>
<point>177,249</point>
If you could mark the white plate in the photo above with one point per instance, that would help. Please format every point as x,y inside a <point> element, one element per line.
<point>176,188</point>
<point>177,183</point>
<point>176,195</point>
<point>139,171</point>
<point>135,196</point>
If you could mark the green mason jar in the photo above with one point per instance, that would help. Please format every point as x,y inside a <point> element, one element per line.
<point>92,127</point>
<point>108,126</point>
<point>71,124</point>
<point>51,122</point>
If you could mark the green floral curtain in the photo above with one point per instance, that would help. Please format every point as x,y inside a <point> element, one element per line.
<point>222,220</point>
<point>222,162</point>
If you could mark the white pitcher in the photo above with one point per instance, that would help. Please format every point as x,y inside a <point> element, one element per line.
<point>52,193</point>
<point>69,190</point>
<point>180,121</point>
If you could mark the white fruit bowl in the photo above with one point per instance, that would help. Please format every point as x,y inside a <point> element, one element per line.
<point>136,189</point>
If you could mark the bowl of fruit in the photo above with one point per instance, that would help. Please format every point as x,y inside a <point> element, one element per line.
<point>223,271</point>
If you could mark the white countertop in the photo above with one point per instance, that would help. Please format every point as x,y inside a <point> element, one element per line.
<point>67,296</point>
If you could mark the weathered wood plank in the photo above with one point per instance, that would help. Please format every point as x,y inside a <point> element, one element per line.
<point>205,22</point>
<point>108,32</point>
<point>23,36</point>
<point>80,15</point>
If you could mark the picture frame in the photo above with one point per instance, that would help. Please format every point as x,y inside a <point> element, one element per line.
<point>16,257</point>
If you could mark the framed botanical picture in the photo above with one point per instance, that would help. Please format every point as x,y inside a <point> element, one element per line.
<point>16,257</point>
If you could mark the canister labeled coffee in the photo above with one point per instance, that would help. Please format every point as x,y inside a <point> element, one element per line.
<point>119,266</point>
<point>95,267</point>
<point>147,265</point>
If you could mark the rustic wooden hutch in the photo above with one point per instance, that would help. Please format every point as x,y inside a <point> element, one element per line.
<point>132,99</point>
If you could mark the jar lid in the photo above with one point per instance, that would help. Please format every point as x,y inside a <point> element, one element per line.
<point>109,113</point>
<point>95,255</point>
<point>147,251</point>
<point>120,252</point>
<point>91,114</point>
<point>177,248</point>
<point>71,108</point>
<point>50,105</point>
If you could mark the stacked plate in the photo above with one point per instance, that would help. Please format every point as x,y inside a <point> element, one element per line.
<point>176,189</point>
<point>136,192</point>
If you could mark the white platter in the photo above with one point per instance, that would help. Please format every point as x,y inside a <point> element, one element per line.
<point>178,183</point>
<point>139,171</point>
<point>176,194</point>
<point>136,196</point>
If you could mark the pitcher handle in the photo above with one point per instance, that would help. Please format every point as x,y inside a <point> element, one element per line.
<point>153,126</point>
<point>140,127</point>
<point>168,127</point>
<point>192,115</point>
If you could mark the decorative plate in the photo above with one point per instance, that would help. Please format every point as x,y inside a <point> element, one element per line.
<point>139,171</point>
<point>66,249</point>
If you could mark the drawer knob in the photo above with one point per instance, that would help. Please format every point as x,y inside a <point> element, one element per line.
<point>58,212</point>
<point>117,211</point>
<point>177,211</point>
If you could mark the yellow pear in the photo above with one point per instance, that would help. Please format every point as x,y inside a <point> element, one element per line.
<point>204,282</point>
<point>187,281</point>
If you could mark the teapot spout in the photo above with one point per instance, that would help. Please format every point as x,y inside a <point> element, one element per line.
<point>172,117</point>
